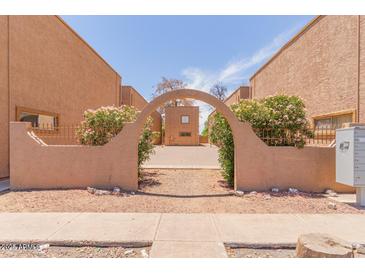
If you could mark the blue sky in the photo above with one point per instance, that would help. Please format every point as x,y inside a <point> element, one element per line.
<point>200,50</point>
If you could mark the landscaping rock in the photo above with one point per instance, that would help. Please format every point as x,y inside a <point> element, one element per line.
<point>133,193</point>
<point>144,253</point>
<point>293,190</point>
<point>331,193</point>
<point>239,193</point>
<point>90,190</point>
<point>267,197</point>
<point>319,245</point>
<point>129,252</point>
<point>275,190</point>
<point>253,192</point>
<point>116,191</point>
<point>102,192</point>
<point>360,249</point>
<point>332,205</point>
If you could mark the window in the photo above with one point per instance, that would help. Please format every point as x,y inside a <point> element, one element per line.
<point>185,134</point>
<point>185,119</point>
<point>333,121</point>
<point>40,119</point>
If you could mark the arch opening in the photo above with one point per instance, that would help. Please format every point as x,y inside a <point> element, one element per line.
<point>219,106</point>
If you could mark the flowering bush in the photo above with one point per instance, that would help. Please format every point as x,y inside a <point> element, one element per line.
<point>278,120</point>
<point>102,124</point>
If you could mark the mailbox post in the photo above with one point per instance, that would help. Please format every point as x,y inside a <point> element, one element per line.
<point>350,159</point>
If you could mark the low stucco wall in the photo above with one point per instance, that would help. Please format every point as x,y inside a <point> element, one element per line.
<point>34,165</point>
<point>257,166</point>
<point>260,167</point>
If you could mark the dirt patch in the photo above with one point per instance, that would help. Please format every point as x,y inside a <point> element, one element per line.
<point>77,252</point>
<point>260,253</point>
<point>266,253</point>
<point>171,191</point>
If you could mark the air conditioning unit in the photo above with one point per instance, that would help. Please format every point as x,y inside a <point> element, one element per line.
<point>350,159</point>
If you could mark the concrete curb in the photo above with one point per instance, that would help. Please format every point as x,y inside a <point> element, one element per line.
<point>261,245</point>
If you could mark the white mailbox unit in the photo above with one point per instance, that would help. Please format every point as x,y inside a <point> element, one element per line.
<point>350,159</point>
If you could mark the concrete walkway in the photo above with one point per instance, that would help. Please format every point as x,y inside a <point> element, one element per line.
<point>184,157</point>
<point>176,235</point>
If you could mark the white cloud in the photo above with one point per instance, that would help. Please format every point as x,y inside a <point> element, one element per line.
<point>234,73</point>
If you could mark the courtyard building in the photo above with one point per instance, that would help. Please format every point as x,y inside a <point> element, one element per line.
<point>241,93</point>
<point>325,65</point>
<point>49,76</point>
<point>131,97</point>
<point>182,126</point>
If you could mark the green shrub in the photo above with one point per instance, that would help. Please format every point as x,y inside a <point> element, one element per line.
<point>102,124</point>
<point>277,120</point>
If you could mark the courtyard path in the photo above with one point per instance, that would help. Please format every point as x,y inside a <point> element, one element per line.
<point>176,235</point>
<point>193,157</point>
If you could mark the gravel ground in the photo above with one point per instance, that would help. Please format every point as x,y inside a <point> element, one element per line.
<point>77,252</point>
<point>171,191</point>
<point>266,253</point>
<point>260,253</point>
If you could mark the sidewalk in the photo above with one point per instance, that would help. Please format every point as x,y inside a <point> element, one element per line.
<point>176,235</point>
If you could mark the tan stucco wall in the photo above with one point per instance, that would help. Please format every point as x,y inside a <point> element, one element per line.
<point>131,97</point>
<point>362,68</point>
<point>243,92</point>
<point>52,69</point>
<point>173,125</point>
<point>37,166</point>
<point>257,166</point>
<point>320,65</point>
<point>4,98</point>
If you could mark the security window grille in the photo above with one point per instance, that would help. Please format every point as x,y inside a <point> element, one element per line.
<point>332,122</point>
<point>185,134</point>
<point>40,120</point>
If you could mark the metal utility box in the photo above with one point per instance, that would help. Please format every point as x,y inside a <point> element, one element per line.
<point>350,156</point>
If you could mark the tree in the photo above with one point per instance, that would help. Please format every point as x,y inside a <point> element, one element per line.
<point>219,91</point>
<point>167,85</point>
<point>205,131</point>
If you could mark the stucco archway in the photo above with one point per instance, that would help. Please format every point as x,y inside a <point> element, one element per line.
<point>191,94</point>
<point>220,107</point>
